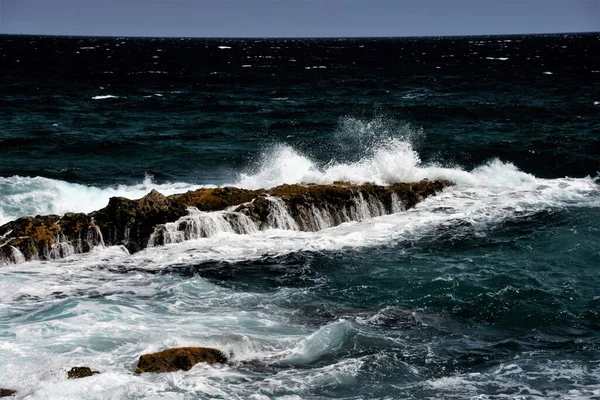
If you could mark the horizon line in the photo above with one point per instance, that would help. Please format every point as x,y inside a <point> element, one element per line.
<point>302,37</point>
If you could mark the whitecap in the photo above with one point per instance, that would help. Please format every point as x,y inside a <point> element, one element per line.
<point>103,97</point>
<point>20,196</point>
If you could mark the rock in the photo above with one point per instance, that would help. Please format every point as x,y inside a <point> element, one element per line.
<point>32,236</point>
<point>7,392</point>
<point>133,223</point>
<point>311,206</point>
<point>183,358</point>
<point>216,199</point>
<point>80,372</point>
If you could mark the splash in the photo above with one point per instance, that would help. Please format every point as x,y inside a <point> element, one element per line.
<point>385,155</point>
<point>20,196</point>
<point>381,149</point>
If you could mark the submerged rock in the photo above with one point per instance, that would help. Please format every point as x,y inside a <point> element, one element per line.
<point>183,358</point>
<point>80,372</point>
<point>156,219</point>
<point>7,392</point>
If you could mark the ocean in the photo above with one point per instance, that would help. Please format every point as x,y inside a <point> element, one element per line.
<point>489,290</point>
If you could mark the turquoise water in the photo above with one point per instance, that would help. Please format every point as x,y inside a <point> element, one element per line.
<point>488,290</point>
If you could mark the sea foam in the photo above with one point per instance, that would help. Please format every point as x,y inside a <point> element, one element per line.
<point>482,197</point>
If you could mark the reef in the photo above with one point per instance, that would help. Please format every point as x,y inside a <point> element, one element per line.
<point>156,220</point>
<point>183,358</point>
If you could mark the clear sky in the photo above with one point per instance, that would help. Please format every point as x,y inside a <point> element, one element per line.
<point>299,18</point>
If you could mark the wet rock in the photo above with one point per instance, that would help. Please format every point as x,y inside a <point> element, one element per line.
<point>315,207</point>
<point>183,358</point>
<point>7,392</point>
<point>216,199</point>
<point>132,223</point>
<point>47,237</point>
<point>80,372</point>
<point>32,236</point>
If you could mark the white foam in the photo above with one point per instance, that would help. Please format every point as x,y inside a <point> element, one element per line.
<point>323,341</point>
<point>110,334</point>
<point>20,196</point>
<point>390,162</point>
<point>484,196</point>
<point>107,96</point>
<point>224,47</point>
<point>576,381</point>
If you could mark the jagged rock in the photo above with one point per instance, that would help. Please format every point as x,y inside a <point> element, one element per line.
<point>183,358</point>
<point>47,237</point>
<point>7,392</point>
<point>131,222</point>
<point>80,372</point>
<point>156,219</point>
<point>32,236</point>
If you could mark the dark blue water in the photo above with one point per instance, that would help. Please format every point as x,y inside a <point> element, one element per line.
<point>488,290</point>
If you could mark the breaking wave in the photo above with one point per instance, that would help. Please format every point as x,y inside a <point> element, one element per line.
<point>484,196</point>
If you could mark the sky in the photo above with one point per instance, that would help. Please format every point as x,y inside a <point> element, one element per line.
<point>297,18</point>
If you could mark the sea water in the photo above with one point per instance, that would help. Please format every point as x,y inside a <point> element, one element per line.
<point>488,290</point>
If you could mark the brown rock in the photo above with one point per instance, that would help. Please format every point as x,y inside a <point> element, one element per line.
<point>183,358</point>
<point>7,392</point>
<point>80,372</point>
<point>131,223</point>
<point>216,199</point>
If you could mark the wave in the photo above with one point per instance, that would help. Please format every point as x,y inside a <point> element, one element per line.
<point>21,196</point>
<point>483,196</point>
<point>104,97</point>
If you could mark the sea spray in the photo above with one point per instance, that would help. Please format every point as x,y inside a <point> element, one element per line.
<point>22,196</point>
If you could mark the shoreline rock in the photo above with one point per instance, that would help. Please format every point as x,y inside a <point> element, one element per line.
<point>156,219</point>
<point>183,358</point>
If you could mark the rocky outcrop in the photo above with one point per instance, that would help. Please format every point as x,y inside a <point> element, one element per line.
<point>156,219</point>
<point>131,222</point>
<point>7,392</point>
<point>183,358</point>
<point>316,207</point>
<point>80,372</point>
